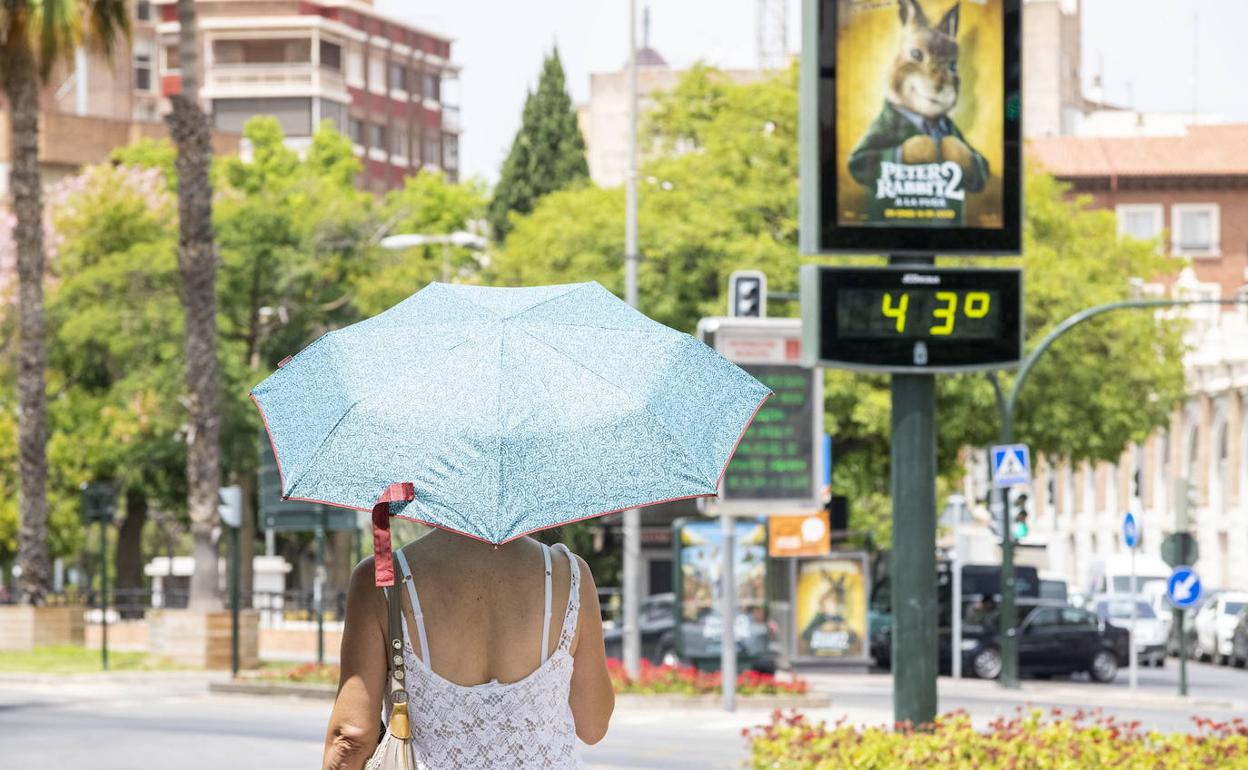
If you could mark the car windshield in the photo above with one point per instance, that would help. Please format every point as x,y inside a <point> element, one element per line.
<point>1121,610</point>
<point>1122,583</point>
<point>1232,608</point>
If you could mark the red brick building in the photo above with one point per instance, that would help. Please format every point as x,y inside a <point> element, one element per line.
<point>1191,190</point>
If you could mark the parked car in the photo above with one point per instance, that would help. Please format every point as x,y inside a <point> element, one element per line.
<point>1239,640</point>
<point>1149,631</point>
<point>1052,639</point>
<point>657,619</point>
<point>658,637</point>
<point>1215,623</point>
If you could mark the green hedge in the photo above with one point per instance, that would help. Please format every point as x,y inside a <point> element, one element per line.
<point>1029,741</point>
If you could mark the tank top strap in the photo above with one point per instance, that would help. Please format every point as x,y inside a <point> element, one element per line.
<point>546,614</point>
<point>406,573</point>
<point>568,631</point>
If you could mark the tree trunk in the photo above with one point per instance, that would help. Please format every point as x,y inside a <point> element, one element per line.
<point>21,86</point>
<point>197,267</point>
<point>129,559</point>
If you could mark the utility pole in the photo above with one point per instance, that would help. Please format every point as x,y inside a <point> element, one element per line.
<point>632,516</point>
<point>1180,525</point>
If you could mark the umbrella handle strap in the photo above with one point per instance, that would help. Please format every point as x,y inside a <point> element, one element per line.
<point>383,556</point>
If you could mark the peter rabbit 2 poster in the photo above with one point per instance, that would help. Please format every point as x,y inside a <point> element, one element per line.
<point>919,113</point>
<point>919,120</point>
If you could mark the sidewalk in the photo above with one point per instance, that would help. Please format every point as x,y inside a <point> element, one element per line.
<point>1038,693</point>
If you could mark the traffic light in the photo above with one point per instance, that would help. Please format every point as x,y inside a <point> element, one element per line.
<point>747,294</point>
<point>1021,511</point>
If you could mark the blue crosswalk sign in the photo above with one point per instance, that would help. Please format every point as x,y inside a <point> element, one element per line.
<point>1011,465</point>
<point>1130,530</point>
<point>1183,587</point>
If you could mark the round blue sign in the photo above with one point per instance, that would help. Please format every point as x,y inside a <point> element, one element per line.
<point>1183,587</point>
<point>1130,531</point>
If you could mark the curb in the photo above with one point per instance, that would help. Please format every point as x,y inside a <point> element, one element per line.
<point>112,677</point>
<point>631,701</point>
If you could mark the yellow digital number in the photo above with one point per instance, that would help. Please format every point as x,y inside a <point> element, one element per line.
<point>898,311</point>
<point>946,314</point>
<point>977,304</point>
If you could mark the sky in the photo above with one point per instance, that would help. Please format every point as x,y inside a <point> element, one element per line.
<point>1149,51</point>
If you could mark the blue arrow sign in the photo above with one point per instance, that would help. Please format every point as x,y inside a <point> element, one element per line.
<point>1130,530</point>
<point>1183,587</point>
<point>1011,465</point>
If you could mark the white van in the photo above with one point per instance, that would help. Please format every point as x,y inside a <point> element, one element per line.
<point>1112,574</point>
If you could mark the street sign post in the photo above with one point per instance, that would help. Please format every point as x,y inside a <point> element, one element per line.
<point>1183,587</point>
<point>1131,538</point>
<point>1011,466</point>
<point>1180,548</point>
<point>230,508</point>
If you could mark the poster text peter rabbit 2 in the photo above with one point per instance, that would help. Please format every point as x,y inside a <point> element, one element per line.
<point>920,118</point>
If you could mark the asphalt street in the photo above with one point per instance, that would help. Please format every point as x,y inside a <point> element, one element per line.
<point>128,723</point>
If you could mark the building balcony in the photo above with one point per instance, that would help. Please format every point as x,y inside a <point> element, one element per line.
<point>288,79</point>
<point>450,119</point>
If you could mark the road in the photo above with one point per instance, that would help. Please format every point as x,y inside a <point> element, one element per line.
<point>119,723</point>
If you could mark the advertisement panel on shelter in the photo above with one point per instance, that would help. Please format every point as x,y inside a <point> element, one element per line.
<point>920,119</point>
<point>830,607</point>
<point>805,535</point>
<point>699,558</point>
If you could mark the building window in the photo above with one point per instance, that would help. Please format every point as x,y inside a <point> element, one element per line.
<point>143,71</point>
<point>432,86</point>
<point>450,152</point>
<point>398,76</point>
<point>355,65</point>
<point>335,113</point>
<point>377,73</point>
<point>432,155</point>
<point>1195,228</point>
<point>355,130</point>
<point>377,136</point>
<point>399,145</point>
<point>143,10</point>
<point>236,52</point>
<point>1142,221</point>
<point>173,58</point>
<point>331,56</point>
<point>294,115</point>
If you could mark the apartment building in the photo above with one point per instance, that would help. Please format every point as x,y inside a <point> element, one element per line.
<point>389,86</point>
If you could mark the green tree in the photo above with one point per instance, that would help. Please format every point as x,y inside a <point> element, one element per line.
<point>720,194</point>
<point>37,35</point>
<point>547,154</point>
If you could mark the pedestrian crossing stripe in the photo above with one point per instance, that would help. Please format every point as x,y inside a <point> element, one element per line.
<point>1011,464</point>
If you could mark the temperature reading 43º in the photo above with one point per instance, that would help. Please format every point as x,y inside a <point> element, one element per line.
<point>918,313</point>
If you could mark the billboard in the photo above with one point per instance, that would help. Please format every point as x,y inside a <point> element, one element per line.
<point>830,607</point>
<point>805,535</point>
<point>918,126</point>
<point>699,550</point>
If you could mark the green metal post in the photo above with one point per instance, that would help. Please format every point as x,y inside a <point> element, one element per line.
<point>320,588</point>
<point>104,594</point>
<point>913,567</point>
<point>235,588</point>
<point>1181,492</point>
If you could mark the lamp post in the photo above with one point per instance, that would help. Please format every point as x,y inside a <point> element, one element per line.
<point>632,517</point>
<point>459,238</point>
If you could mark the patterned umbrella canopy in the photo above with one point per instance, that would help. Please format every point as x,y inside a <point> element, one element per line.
<point>498,412</point>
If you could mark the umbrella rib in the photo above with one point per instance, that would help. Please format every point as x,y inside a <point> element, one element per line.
<point>530,308</point>
<point>645,407</point>
<point>320,447</point>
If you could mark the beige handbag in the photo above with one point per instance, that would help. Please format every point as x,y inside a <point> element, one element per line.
<point>396,750</point>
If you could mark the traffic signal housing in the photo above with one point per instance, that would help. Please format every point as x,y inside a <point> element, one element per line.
<point>747,294</point>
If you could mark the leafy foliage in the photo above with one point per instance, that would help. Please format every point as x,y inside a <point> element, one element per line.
<point>720,194</point>
<point>547,154</point>
<point>1026,741</point>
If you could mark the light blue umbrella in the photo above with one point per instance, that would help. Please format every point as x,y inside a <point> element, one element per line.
<point>498,412</point>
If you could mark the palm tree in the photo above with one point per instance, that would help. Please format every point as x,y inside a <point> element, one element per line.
<point>197,266</point>
<point>37,35</point>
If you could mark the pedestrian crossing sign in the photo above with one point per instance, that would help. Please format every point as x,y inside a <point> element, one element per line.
<point>1011,465</point>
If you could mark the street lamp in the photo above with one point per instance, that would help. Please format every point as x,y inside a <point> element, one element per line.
<point>460,238</point>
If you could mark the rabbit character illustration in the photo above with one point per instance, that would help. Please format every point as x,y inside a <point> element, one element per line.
<point>829,631</point>
<point>912,148</point>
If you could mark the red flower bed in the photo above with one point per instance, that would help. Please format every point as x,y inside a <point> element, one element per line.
<point>687,680</point>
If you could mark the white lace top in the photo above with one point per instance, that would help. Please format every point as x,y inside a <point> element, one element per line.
<point>522,725</point>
